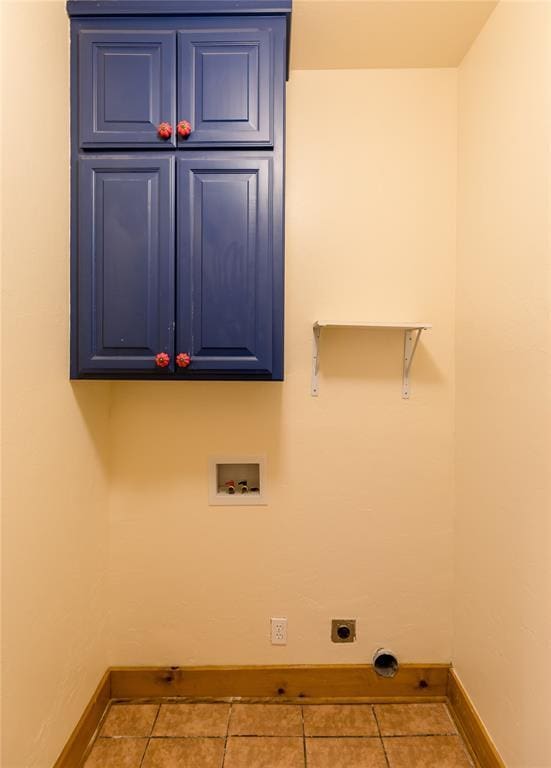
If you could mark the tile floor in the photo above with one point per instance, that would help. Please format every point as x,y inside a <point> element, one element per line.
<point>254,735</point>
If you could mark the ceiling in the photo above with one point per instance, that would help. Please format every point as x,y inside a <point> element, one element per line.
<point>360,34</point>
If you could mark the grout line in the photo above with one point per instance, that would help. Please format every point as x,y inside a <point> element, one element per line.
<point>227,734</point>
<point>172,737</point>
<point>280,701</point>
<point>145,752</point>
<point>356,736</point>
<point>303,736</point>
<point>184,737</point>
<point>271,736</point>
<point>421,735</point>
<point>155,721</point>
<point>290,736</point>
<point>150,735</point>
<point>380,736</point>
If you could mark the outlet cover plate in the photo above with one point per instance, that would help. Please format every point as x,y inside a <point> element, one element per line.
<point>278,631</point>
<point>343,630</point>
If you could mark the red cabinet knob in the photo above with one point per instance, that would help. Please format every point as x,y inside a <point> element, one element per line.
<point>164,130</point>
<point>183,360</point>
<point>184,129</point>
<point>162,360</point>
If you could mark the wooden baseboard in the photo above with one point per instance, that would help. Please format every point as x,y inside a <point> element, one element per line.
<point>75,748</point>
<point>323,681</point>
<point>471,726</point>
<point>413,683</point>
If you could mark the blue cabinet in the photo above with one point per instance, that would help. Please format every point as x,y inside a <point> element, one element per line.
<point>126,87</point>
<point>126,267</point>
<point>177,240</point>
<point>216,74</point>
<point>225,83</point>
<point>213,292</point>
<point>227,269</point>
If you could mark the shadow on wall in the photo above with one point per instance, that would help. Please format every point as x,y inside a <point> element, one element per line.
<point>168,429</point>
<point>374,356</point>
<point>92,400</point>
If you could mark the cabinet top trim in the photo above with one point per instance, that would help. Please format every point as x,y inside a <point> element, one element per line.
<point>175,7</point>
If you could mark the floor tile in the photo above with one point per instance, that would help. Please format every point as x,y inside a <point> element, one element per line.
<point>130,720</point>
<point>264,752</point>
<point>116,753</point>
<point>345,753</point>
<point>339,720</point>
<point>426,752</point>
<point>192,720</point>
<point>265,720</point>
<point>184,753</point>
<point>414,719</point>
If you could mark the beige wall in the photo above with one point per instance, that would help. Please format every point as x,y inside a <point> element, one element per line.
<point>55,526</point>
<point>360,516</point>
<point>364,34</point>
<point>503,535</point>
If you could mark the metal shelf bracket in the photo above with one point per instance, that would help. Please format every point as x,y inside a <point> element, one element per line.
<point>315,358</point>
<point>411,340</point>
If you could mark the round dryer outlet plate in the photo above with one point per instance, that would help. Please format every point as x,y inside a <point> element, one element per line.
<point>343,630</point>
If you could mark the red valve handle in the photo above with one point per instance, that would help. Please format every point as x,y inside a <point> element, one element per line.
<point>184,129</point>
<point>162,360</point>
<point>164,130</point>
<point>183,360</point>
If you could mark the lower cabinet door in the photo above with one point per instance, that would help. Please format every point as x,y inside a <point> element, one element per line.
<point>225,265</point>
<point>124,310</point>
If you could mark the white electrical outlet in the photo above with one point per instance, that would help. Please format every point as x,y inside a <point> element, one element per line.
<point>279,631</point>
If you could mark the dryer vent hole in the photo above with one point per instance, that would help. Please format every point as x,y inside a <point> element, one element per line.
<point>385,663</point>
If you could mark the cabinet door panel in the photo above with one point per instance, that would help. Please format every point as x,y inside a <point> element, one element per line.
<point>225,263</point>
<point>225,84</point>
<point>127,86</point>
<point>125,263</point>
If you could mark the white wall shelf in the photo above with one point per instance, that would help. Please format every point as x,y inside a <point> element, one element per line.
<point>412,334</point>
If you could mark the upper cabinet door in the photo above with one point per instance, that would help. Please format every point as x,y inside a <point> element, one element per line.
<point>228,270</point>
<point>225,82</point>
<point>127,88</point>
<point>125,264</point>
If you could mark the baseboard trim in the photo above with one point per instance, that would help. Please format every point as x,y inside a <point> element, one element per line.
<point>76,746</point>
<point>413,683</point>
<point>471,726</point>
<point>300,681</point>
